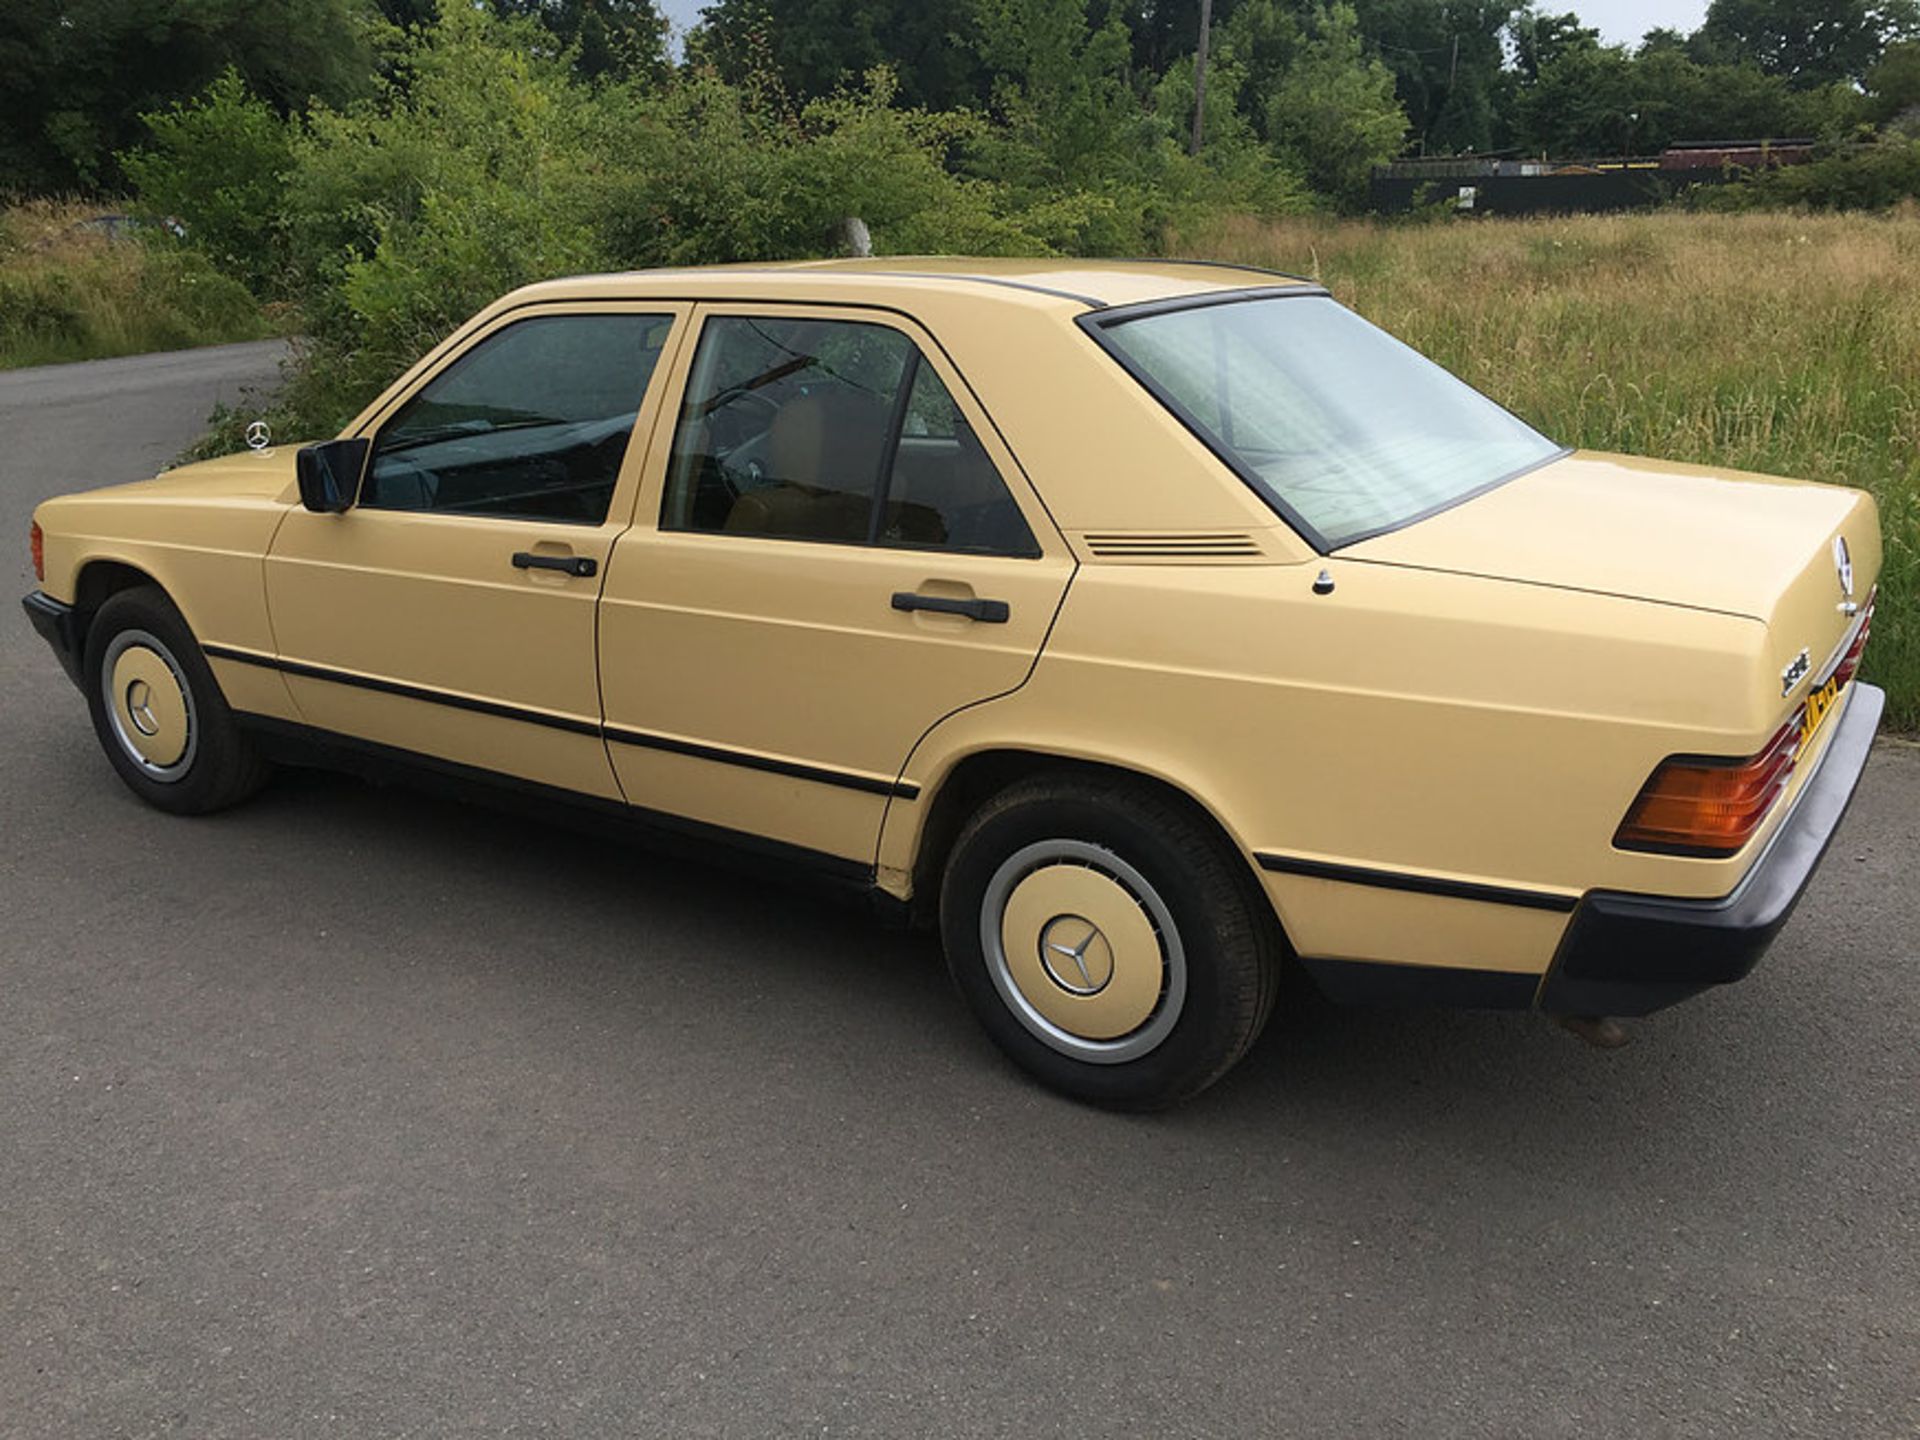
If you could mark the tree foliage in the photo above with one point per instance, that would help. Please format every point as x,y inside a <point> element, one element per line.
<point>80,74</point>
<point>1810,43</point>
<point>602,38</point>
<point>1316,95</point>
<point>816,46</point>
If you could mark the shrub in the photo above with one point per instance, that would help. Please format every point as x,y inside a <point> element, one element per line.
<point>717,172</point>
<point>218,163</point>
<point>1876,176</point>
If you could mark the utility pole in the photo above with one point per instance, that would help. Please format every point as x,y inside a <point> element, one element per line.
<point>1200,76</point>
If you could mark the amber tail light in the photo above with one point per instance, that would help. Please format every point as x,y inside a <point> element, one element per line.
<point>37,543</point>
<point>1702,806</point>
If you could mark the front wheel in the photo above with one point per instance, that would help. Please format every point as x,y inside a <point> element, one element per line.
<point>1108,939</point>
<point>158,714</point>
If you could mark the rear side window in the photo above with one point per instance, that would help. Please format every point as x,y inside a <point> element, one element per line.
<point>531,423</point>
<point>835,431</point>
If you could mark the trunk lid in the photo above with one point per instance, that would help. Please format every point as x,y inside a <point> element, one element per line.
<point>1670,534</point>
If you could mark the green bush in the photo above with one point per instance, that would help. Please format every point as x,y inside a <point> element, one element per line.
<point>218,164</point>
<point>716,172</point>
<point>1875,176</point>
<point>481,162</point>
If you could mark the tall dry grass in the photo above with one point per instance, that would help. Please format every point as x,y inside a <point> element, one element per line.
<point>70,290</point>
<point>1778,343</point>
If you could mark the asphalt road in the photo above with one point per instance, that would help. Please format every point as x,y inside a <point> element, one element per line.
<point>353,1113</point>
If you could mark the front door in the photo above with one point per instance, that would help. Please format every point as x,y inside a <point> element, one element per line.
<point>835,552</point>
<point>451,611</point>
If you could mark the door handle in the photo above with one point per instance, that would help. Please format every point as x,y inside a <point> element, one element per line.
<point>578,565</point>
<point>987,612</point>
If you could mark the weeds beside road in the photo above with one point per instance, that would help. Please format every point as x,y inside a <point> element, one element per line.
<point>74,286</point>
<point>1784,344</point>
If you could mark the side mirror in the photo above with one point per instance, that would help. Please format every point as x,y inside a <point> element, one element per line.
<point>330,474</point>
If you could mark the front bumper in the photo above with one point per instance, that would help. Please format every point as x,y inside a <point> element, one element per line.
<point>59,627</point>
<point>1626,954</point>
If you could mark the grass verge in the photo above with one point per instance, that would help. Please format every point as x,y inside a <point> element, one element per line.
<point>75,289</point>
<point>1779,343</point>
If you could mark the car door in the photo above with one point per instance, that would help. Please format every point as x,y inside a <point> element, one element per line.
<point>451,611</point>
<point>833,551</point>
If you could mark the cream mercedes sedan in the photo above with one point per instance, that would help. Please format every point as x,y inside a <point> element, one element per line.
<point>1143,627</point>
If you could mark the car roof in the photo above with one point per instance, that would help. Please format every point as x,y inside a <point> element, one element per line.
<point>1088,284</point>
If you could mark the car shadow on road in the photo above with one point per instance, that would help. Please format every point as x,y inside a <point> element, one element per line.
<point>861,1005</point>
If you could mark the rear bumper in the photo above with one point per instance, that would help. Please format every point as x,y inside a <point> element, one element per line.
<point>1626,954</point>
<point>58,627</point>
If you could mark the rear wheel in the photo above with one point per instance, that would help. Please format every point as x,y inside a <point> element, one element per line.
<point>1108,939</point>
<point>159,715</point>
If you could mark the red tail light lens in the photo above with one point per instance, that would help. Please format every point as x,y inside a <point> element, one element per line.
<point>1699,806</point>
<point>37,543</point>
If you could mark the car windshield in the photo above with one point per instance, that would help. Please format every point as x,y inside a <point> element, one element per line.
<point>1338,425</point>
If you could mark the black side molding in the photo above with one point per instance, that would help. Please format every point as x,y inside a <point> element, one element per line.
<point>568,723</point>
<point>573,725</point>
<point>846,780</point>
<point>1418,884</point>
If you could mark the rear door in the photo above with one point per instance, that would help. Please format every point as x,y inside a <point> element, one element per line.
<point>835,551</point>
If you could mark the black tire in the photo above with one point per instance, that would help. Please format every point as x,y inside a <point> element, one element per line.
<point>1127,833</point>
<point>217,766</point>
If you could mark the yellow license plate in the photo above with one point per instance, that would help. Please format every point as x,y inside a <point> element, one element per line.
<point>1820,704</point>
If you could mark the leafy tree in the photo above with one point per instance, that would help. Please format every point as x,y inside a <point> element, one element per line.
<point>219,163</point>
<point>605,37</point>
<point>81,73</point>
<point>1060,85</point>
<point>816,46</point>
<point>1260,41</point>
<point>1163,32</point>
<point>1448,59</point>
<point>1810,42</point>
<point>1662,40</point>
<point>718,173</point>
<point>1679,99</point>
<point>1540,39</point>
<point>404,13</point>
<point>1894,82</point>
<point>1335,110</point>
<point>1603,100</point>
<point>1583,102</point>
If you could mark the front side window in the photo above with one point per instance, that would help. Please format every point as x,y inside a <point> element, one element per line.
<point>531,423</point>
<point>831,430</point>
<point>1334,421</point>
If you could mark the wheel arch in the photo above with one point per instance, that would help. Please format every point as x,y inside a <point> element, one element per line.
<point>98,580</point>
<point>975,777</point>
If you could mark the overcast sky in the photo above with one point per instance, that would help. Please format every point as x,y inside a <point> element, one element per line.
<point>1618,21</point>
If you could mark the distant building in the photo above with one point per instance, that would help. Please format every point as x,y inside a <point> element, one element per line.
<point>1498,185</point>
